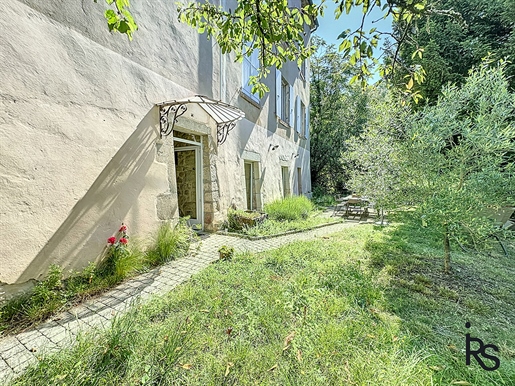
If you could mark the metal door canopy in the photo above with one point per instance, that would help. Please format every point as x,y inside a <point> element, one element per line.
<point>222,113</point>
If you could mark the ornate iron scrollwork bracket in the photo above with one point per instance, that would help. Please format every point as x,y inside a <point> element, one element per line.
<point>222,131</point>
<point>165,124</point>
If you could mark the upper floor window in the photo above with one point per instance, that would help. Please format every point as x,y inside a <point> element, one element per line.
<point>284,102</point>
<point>250,68</point>
<point>306,122</point>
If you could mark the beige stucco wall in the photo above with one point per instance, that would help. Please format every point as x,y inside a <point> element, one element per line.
<point>79,146</point>
<point>251,139</point>
<point>78,129</point>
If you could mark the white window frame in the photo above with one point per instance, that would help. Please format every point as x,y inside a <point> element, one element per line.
<point>302,123</point>
<point>278,96</point>
<point>298,126</point>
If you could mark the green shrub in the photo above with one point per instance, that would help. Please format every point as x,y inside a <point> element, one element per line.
<point>289,209</point>
<point>325,200</point>
<point>225,252</point>
<point>322,198</point>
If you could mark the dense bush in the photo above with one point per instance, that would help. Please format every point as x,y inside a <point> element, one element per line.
<point>289,209</point>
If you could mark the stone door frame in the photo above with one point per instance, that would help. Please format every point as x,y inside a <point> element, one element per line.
<point>197,147</point>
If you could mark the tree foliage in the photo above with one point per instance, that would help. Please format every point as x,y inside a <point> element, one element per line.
<point>455,160</point>
<point>452,46</point>
<point>119,18</point>
<point>278,32</point>
<point>338,111</point>
<point>375,152</point>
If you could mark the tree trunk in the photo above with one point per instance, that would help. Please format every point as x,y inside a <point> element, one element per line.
<point>447,252</point>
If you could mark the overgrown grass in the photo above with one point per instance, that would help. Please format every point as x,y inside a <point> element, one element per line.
<point>169,244</point>
<point>361,307</point>
<point>55,294</point>
<point>289,209</point>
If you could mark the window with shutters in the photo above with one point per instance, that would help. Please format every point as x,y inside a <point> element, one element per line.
<point>306,122</point>
<point>285,100</point>
<point>297,126</point>
<point>302,70</point>
<point>299,181</point>
<point>250,68</point>
<point>285,174</point>
<point>252,193</point>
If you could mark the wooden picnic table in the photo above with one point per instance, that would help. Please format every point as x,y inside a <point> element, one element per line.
<point>352,206</point>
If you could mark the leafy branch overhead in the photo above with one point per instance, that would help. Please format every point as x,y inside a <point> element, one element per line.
<point>277,32</point>
<point>360,45</point>
<point>119,18</point>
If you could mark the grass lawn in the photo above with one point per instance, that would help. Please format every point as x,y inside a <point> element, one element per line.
<point>361,307</point>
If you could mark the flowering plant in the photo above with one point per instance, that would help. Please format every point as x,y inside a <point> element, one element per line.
<point>114,241</point>
<point>116,249</point>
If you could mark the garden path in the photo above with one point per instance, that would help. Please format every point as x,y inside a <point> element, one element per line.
<point>19,351</point>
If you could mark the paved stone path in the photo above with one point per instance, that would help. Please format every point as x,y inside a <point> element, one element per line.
<point>19,351</point>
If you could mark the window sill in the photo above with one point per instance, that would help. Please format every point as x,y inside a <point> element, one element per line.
<point>283,123</point>
<point>250,99</point>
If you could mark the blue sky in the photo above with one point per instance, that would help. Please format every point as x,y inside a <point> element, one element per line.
<point>329,28</point>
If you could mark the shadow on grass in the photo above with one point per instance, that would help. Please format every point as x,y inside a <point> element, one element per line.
<point>435,306</point>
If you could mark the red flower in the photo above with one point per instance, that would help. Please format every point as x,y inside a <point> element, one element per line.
<point>123,228</point>
<point>123,240</point>
<point>111,240</point>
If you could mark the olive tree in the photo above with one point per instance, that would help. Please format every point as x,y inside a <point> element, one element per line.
<point>375,152</point>
<point>459,164</point>
<point>453,162</point>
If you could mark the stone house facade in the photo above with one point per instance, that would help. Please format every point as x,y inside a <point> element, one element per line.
<point>83,122</point>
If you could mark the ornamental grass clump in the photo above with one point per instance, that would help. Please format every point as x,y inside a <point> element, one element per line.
<point>171,242</point>
<point>289,209</point>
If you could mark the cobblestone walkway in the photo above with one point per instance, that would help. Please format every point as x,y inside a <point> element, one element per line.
<point>19,351</point>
